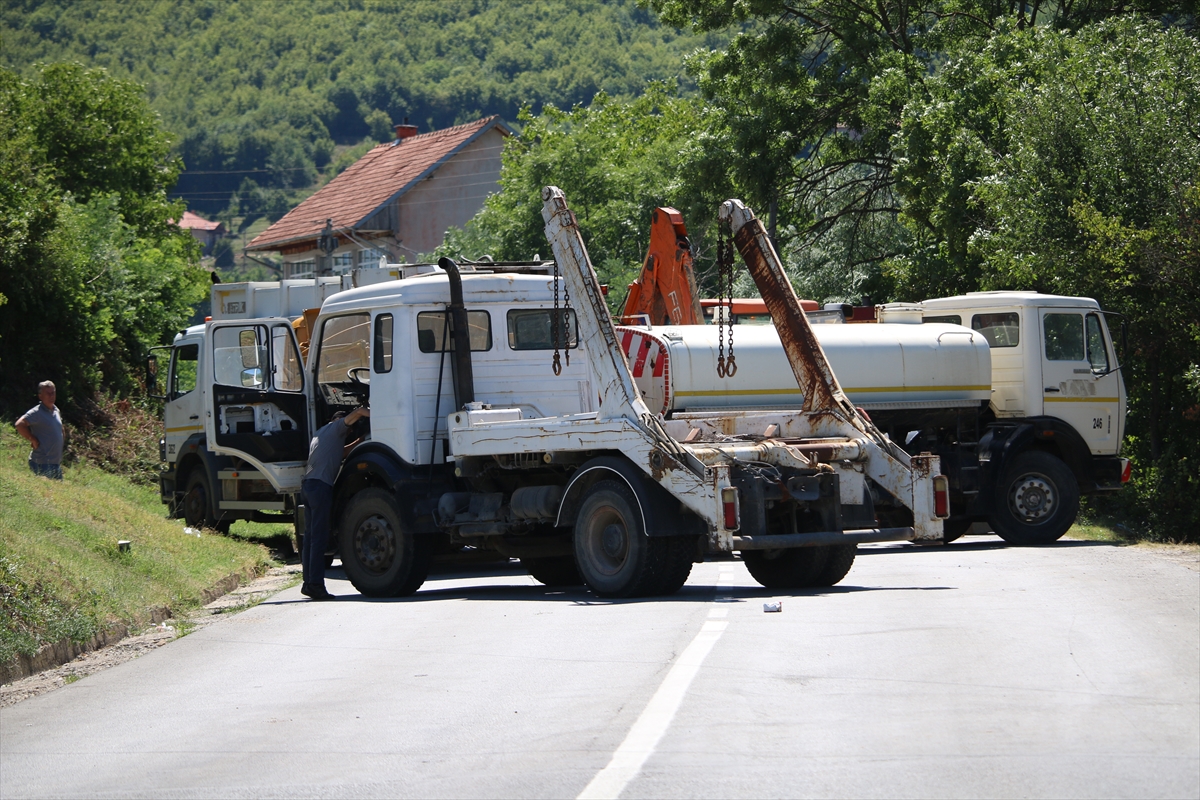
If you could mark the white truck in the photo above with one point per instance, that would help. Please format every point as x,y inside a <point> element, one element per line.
<point>1018,393</point>
<point>201,486</point>
<point>481,437</point>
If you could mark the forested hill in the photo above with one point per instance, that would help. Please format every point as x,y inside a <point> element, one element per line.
<point>259,94</point>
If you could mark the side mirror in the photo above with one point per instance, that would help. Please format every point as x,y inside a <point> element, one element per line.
<point>152,378</point>
<point>252,378</point>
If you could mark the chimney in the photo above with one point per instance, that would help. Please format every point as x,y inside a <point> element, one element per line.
<point>404,131</point>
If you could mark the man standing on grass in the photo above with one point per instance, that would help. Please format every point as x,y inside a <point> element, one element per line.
<point>42,427</point>
<point>325,455</point>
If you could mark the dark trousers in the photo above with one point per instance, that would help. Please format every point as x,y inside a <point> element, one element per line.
<point>317,497</point>
<point>53,471</point>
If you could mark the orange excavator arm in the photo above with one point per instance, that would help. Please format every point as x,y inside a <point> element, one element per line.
<point>666,290</point>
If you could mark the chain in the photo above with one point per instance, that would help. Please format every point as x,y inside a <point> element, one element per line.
<point>726,365</point>
<point>556,363</point>
<point>730,363</point>
<point>566,319</point>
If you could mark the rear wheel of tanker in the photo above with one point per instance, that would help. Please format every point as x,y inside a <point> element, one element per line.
<point>796,568</point>
<point>554,570</point>
<point>614,555</point>
<point>1037,501</point>
<point>381,557</point>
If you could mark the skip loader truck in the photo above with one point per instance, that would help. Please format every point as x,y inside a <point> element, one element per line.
<point>505,417</point>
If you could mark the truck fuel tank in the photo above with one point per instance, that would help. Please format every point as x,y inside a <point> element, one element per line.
<point>879,366</point>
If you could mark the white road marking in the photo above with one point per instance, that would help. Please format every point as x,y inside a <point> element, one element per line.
<point>718,612</point>
<point>645,734</point>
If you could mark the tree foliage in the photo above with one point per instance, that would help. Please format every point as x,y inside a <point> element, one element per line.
<point>813,90</point>
<point>616,160</point>
<point>268,92</point>
<point>93,270</point>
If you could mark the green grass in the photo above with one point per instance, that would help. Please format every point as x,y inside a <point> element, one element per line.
<point>1100,531</point>
<point>61,575</point>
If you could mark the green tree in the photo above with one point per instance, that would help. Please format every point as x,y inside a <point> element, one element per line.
<point>1069,163</point>
<point>270,90</point>
<point>94,270</point>
<point>1099,194</point>
<point>616,161</point>
<point>812,91</point>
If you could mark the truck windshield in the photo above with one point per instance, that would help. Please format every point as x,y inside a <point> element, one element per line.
<point>344,346</point>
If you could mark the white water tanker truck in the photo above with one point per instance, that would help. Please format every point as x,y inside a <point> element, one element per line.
<point>1018,393</point>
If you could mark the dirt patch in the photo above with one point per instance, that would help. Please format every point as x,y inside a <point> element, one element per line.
<point>166,631</point>
<point>1186,554</point>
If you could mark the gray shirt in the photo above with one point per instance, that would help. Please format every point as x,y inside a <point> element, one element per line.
<point>46,425</point>
<point>325,452</point>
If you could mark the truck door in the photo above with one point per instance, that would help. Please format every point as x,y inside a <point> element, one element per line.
<point>1079,382</point>
<point>182,410</point>
<point>258,409</point>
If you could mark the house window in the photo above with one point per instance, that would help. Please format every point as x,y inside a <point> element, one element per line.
<point>370,258</point>
<point>301,269</point>
<point>343,263</point>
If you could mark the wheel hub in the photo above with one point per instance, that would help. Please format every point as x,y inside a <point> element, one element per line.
<point>612,540</point>
<point>375,543</point>
<point>1033,498</point>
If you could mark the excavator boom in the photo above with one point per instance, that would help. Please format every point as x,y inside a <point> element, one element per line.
<point>665,293</point>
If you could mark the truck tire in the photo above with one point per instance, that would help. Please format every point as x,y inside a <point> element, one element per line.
<point>1037,501</point>
<point>954,528</point>
<point>614,555</point>
<point>198,503</point>
<point>381,557</point>
<point>553,571</point>
<point>799,567</point>
<point>839,558</point>
<point>681,551</point>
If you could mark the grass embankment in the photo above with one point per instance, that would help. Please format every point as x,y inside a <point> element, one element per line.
<point>61,574</point>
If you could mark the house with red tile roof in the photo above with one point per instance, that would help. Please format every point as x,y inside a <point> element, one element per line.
<point>395,202</point>
<point>204,231</point>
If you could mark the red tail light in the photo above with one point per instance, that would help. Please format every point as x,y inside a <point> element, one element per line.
<point>1126,471</point>
<point>729,505</point>
<point>941,496</point>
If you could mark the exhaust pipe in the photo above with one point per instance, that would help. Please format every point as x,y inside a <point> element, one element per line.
<point>460,336</point>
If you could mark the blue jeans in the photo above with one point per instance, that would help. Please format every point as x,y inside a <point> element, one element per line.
<point>317,497</point>
<point>53,471</point>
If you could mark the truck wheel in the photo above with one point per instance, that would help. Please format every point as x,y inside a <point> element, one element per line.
<point>553,571</point>
<point>198,504</point>
<point>380,556</point>
<point>839,558</point>
<point>1038,500</point>
<point>954,528</point>
<point>615,556</point>
<point>796,568</point>
<point>681,551</point>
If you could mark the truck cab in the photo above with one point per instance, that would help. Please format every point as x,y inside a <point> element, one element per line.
<point>1052,356</point>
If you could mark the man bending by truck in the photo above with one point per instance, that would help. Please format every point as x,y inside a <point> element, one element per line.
<point>325,455</point>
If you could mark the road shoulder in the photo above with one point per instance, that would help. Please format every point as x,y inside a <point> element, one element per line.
<point>251,594</point>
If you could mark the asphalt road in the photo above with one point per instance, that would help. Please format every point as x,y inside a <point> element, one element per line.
<point>972,670</point>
